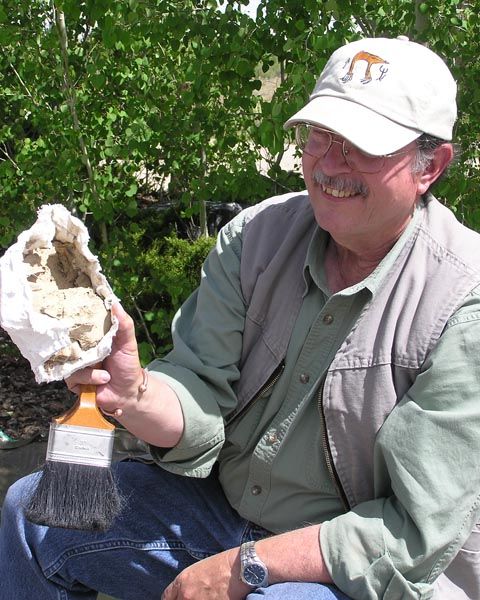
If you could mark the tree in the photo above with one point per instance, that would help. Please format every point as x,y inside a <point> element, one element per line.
<point>124,109</point>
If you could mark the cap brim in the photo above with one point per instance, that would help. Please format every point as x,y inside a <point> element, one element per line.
<point>366,129</point>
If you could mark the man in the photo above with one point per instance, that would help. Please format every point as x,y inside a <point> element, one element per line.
<point>321,398</point>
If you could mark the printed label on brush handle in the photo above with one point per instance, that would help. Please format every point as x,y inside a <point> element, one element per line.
<point>80,445</point>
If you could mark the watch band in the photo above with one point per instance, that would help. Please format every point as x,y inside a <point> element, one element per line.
<point>252,570</point>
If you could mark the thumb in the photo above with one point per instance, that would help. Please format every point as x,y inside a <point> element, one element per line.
<point>125,339</point>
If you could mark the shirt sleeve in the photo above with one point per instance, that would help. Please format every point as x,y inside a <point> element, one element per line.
<point>427,478</point>
<point>203,365</point>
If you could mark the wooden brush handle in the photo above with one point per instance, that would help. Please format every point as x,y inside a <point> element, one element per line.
<point>85,411</point>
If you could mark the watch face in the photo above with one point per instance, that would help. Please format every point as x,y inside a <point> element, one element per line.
<point>254,574</point>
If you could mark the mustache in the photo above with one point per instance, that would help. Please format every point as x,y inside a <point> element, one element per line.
<point>339,183</point>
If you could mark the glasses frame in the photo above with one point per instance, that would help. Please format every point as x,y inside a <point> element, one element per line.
<point>345,149</point>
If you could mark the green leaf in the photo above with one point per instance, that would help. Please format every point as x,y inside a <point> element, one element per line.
<point>244,67</point>
<point>276,109</point>
<point>265,131</point>
<point>131,208</point>
<point>300,25</point>
<point>99,80</point>
<point>132,190</point>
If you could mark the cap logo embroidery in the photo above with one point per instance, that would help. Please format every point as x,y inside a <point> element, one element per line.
<point>371,59</point>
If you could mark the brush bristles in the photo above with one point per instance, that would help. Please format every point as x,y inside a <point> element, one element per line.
<point>75,497</point>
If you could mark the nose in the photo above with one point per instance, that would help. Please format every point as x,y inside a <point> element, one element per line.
<point>334,161</point>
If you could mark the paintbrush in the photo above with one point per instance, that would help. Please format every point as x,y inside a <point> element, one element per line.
<point>76,488</point>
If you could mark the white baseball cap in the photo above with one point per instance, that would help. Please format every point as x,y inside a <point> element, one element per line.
<point>381,94</point>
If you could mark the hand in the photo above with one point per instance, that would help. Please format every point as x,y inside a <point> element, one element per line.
<point>121,375</point>
<point>214,578</point>
<point>155,416</point>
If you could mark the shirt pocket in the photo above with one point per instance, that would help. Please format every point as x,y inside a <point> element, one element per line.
<point>245,427</point>
<point>242,432</point>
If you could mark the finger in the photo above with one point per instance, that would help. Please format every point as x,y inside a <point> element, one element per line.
<point>168,593</point>
<point>125,335</point>
<point>87,376</point>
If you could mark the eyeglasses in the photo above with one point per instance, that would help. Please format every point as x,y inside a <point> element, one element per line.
<point>316,142</point>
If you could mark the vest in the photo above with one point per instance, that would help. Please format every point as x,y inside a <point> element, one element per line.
<point>383,352</point>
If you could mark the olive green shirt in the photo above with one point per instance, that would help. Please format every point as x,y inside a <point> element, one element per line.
<point>272,461</point>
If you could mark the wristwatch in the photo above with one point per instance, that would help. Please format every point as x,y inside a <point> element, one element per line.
<point>253,571</point>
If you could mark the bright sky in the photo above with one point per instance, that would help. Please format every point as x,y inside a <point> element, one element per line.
<point>251,9</point>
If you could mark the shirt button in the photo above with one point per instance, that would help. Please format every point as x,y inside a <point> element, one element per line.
<point>304,377</point>
<point>272,438</point>
<point>328,319</point>
<point>256,490</point>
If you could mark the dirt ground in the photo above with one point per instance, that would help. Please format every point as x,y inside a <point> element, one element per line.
<point>26,407</point>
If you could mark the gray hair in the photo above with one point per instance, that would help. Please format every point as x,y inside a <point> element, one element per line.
<point>426,146</point>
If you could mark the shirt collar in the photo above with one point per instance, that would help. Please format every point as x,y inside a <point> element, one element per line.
<point>314,269</point>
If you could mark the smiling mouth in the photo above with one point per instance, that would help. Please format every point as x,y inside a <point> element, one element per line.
<point>337,193</point>
<point>339,187</point>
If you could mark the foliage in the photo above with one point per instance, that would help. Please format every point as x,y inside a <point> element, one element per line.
<point>162,273</point>
<point>303,35</point>
<point>110,106</point>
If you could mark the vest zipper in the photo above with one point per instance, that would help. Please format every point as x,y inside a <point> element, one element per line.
<point>328,454</point>
<point>262,392</point>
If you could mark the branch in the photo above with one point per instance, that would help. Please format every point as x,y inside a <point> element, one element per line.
<point>203,204</point>
<point>142,322</point>
<point>366,26</point>
<point>3,150</point>
<point>72,104</point>
<point>421,20</point>
<point>22,83</point>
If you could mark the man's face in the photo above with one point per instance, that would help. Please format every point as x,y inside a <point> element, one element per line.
<point>361,209</point>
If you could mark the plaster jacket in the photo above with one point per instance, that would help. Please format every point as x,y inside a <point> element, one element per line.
<point>433,270</point>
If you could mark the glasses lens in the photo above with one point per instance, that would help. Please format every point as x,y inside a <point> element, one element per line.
<point>301,135</point>
<point>312,140</point>
<point>360,161</point>
<point>317,142</point>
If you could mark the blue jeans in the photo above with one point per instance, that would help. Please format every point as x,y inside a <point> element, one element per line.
<point>169,522</point>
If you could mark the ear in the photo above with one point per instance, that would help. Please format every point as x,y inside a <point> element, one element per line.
<point>440,161</point>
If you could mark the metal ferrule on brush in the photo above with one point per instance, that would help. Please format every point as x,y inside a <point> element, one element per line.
<point>80,445</point>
